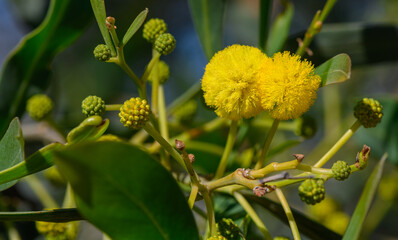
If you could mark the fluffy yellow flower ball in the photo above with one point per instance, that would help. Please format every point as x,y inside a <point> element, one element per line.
<point>287,86</point>
<point>230,82</point>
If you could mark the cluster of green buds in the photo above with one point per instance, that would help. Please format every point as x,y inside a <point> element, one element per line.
<point>53,230</point>
<point>39,107</point>
<point>217,237</point>
<point>312,191</point>
<point>102,52</point>
<point>163,72</point>
<point>155,32</point>
<point>134,113</point>
<point>228,229</point>
<point>281,238</point>
<point>368,112</point>
<point>341,170</point>
<point>93,105</point>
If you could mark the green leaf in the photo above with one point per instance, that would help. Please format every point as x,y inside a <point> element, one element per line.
<point>98,7</point>
<point>11,149</point>
<point>89,130</point>
<point>335,70</point>
<point>27,68</point>
<point>362,208</point>
<point>37,162</point>
<point>208,16</point>
<point>265,11</point>
<point>54,215</point>
<point>125,192</point>
<point>308,227</point>
<point>279,32</point>
<point>137,23</point>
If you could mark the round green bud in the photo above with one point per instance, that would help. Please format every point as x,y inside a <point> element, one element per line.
<point>39,106</point>
<point>163,72</point>
<point>93,106</point>
<point>341,170</point>
<point>185,113</point>
<point>281,238</point>
<point>368,112</point>
<point>337,221</point>
<point>165,43</point>
<point>227,228</point>
<point>153,28</point>
<point>134,113</point>
<point>217,237</point>
<point>102,52</point>
<point>53,230</point>
<point>109,138</point>
<point>312,191</point>
<point>305,126</point>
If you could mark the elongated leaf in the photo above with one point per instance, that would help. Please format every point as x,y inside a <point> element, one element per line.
<point>137,23</point>
<point>27,68</point>
<point>310,228</point>
<point>265,12</point>
<point>279,31</point>
<point>335,70</point>
<point>208,16</point>
<point>37,162</point>
<point>54,215</point>
<point>11,149</point>
<point>125,192</point>
<point>98,7</point>
<point>89,130</point>
<point>362,208</point>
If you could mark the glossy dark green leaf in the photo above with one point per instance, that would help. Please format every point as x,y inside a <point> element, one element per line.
<point>137,23</point>
<point>27,68</point>
<point>208,16</point>
<point>335,70</point>
<point>354,227</point>
<point>54,215</point>
<point>37,162</point>
<point>306,226</point>
<point>125,192</point>
<point>11,149</point>
<point>98,7</point>
<point>279,31</point>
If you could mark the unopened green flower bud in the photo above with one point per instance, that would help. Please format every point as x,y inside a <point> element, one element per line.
<point>337,221</point>
<point>153,28</point>
<point>102,52</point>
<point>217,237</point>
<point>227,228</point>
<point>39,106</point>
<point>163,72</point>
<point>165,43</point>
<point>185,113</point>
<point>362,157</point>
<point>53,230</point>
<point>305,126</point>
<point>341,170</point>
<point>110,138</point>
<point>281,238</point>
<point>312,191</point>
<point>134,113</point>
<point>93,105</point>
<point>368,112</point>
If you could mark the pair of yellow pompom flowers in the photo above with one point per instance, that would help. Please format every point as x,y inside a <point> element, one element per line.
<point>241,81</point>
